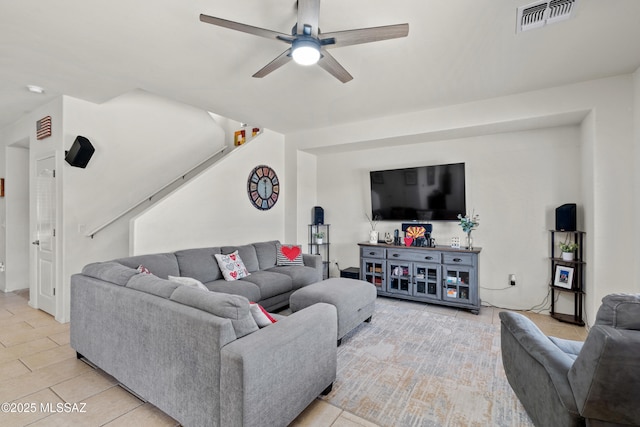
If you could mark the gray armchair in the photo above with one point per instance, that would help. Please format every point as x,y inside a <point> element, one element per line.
<point>571,383</point>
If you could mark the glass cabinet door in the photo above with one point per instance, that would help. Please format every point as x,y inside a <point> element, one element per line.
<point>457,282</point>
<point>426,281</point>
<point>373,271</point>
<point>399,274</point>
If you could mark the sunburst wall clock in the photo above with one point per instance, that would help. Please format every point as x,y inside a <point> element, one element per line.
<point>263,187</point>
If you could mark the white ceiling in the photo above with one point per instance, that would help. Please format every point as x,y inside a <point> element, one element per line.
<point>456,51</point>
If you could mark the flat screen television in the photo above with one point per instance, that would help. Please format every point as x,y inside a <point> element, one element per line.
<point>426,193</point>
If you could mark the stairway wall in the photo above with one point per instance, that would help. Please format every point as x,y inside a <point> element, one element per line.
<point>214,209</point>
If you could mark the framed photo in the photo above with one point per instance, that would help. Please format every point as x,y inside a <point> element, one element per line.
<point>564,277</point>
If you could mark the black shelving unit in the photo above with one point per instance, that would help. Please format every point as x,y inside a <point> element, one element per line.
<point>321,249</point>
<point>577,285</point>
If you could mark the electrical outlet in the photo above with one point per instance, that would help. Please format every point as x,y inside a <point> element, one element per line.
<point>512,279</point>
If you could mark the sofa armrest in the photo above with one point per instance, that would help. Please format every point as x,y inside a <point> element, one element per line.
<point>312,260</point>
<point>537,371</point>
<point>270,376</point>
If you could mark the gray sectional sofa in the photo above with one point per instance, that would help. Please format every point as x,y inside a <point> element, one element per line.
<point>199,356</point>
<point>269,284</point>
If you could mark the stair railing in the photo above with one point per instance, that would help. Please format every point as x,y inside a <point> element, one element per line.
<point>147,199</point>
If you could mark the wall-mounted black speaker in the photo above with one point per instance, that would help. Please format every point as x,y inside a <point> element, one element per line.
<point>317,215</point>
<point>80,152</point>
<point>566,217</point>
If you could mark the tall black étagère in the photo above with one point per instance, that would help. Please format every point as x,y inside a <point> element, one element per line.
<point>320,245</point>
<point>568,276</point>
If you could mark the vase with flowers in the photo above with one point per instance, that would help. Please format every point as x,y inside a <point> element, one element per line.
<point>373,234</point>
<point>468,224</point>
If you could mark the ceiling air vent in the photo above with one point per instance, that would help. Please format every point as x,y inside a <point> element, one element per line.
<point>541,13</point>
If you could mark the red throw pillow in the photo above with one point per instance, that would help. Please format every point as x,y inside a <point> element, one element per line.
<point>289,255</point>
<point>143,270</point>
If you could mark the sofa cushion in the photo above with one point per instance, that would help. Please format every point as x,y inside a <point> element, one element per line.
<point>232,266</point>
<point>289,255</point>
<point>247,253</point>
<point>300,275</point>
<point>112,272</point>
<point>152,285</point>
<point>232,307</point>
<point>270,283</point>
<point>266,252</point>
<point>189,281</point>
<point>569,347</point>
<point>199,263</point>
<point>622,311</point>
<point>238,287</point>
<point>161,265</point>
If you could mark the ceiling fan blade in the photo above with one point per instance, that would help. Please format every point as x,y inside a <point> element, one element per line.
<point>333,67</point>
<point>363,35</point>
<point>275,64</point>
<point>269,34</point>
<point>308,15</point>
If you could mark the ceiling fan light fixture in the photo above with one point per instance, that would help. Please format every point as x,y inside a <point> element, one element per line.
<point>305,50</point>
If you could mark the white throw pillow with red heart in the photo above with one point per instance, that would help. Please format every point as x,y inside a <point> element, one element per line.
<point>260,315</point>
<point>289,255</point>
<point>231,266</point>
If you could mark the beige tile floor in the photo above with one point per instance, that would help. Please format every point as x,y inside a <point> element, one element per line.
<point>43,381</point>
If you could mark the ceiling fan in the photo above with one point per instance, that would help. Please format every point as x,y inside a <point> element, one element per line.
<point>308,45</point>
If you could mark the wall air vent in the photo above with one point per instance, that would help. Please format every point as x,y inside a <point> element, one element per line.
<point>541,13</point>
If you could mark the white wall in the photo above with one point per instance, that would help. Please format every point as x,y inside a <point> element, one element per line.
<point>636,193</point>
<point>214,209</point>
<point>18,243</point>
<point>513,180</point>
<point>603,110</point>
<point>142,142</point>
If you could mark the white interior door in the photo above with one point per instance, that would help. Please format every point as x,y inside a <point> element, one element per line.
<point>46,234</point>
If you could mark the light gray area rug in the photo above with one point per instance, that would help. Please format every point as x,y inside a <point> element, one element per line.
<point>412,367</point>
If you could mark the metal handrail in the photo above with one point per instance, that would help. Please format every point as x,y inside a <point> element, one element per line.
<point>154,194</point>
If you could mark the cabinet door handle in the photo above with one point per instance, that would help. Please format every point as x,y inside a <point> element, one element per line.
<point>428,257</point>
<point>395,255</point>
<point>457,260</point>
<point>372,253</point>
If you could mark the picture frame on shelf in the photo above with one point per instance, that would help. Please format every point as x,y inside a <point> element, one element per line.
<point>563,277</point>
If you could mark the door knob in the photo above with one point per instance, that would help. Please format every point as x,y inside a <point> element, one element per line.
<point>37,243</point>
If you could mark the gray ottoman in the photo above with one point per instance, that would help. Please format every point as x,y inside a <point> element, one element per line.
<point>354,300</point>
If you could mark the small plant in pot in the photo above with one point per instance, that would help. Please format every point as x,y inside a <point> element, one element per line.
<point>568,250</point>
<point>319,236</point>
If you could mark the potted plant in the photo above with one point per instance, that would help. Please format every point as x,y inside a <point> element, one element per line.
<point>319,236</point>
<point>568,250</point>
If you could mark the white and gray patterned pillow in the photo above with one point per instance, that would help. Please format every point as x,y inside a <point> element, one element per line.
<point>231,266</point>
